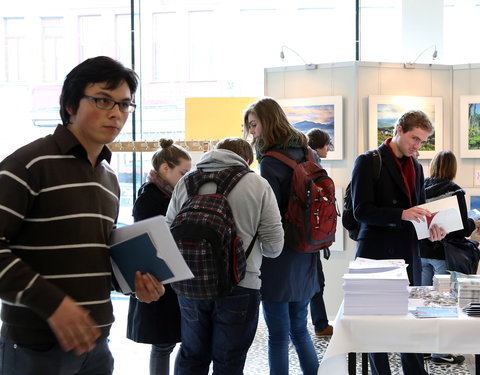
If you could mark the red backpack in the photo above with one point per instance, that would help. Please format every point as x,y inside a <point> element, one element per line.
<point>311,218</point>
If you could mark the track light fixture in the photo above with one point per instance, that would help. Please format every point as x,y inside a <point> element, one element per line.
<point>411,65</point>
<point>307,66</point>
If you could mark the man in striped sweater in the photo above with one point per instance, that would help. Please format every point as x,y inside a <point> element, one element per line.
<point>59,201</point>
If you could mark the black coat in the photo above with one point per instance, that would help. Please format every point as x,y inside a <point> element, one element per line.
<point>378,208</point>
<point>157,322</point>
<point>438,188</point>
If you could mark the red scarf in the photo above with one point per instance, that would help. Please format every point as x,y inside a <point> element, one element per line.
<point>407,170</point>
<point>155,178</point>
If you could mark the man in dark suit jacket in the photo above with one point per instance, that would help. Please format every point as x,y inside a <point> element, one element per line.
<point>383,206</point>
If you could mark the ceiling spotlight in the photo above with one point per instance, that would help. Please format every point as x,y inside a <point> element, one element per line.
<point>411,65</point>
<point>307,66</point>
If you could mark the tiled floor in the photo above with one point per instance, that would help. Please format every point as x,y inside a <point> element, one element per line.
<point>132,358</point>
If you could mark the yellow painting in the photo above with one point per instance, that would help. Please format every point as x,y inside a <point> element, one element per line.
<point>215,118</point>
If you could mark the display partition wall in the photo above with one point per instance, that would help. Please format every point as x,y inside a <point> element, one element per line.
<point>439,90</point>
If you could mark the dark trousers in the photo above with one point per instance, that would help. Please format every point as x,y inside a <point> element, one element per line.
<point>219,330</point>
<point>52,360</point>
<point>412,364</point>
<point>160,358</point>
<point>317,305</point>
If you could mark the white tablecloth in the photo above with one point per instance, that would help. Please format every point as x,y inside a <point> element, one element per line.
<point>404,334</point>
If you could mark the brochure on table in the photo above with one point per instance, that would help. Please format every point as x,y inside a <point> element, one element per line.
<point>146,246</point>
<point>445,213</point>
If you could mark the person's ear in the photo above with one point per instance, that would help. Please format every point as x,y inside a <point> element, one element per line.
<point>69,110</point>
<point>398,130</point>
<point>163,169</point>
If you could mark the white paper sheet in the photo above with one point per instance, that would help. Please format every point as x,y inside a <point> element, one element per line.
<point>447,216</point>
<point>162,238</point>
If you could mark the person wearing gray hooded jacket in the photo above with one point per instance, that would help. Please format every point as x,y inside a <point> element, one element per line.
<point>224,328</point>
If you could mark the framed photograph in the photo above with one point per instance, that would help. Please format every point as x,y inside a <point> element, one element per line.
<point>339,245</point>
<point>469,126</point>
<point>385,110</point>
<point>323,112</point>
<point>472,198</point>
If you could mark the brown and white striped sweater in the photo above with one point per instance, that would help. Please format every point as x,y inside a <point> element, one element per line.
<point>56,215</point>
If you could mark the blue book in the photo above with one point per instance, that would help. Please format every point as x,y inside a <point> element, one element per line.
<point>139,254</point>
<point>435,312</point>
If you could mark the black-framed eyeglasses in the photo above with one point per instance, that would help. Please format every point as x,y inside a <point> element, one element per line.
<point>108,104</point>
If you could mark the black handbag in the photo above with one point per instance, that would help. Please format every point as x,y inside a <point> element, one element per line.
<point>461,255</point>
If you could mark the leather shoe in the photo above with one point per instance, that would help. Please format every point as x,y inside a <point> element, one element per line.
<point>328,331</point>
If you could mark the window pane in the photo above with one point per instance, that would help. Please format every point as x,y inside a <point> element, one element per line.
<point>52,39</point>
<point>381,30</point>
<point>15,49</point>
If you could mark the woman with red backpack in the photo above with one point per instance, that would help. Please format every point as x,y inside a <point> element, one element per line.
<point>290,280</point>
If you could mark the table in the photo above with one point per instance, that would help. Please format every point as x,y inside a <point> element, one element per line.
<point>403,333</point>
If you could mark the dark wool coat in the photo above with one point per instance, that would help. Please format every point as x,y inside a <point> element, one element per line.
<point>157,322</point>
<point>378,207</point>
<point>292,276</point>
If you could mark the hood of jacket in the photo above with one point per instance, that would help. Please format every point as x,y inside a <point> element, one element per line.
<point>217,159</point>
<point>436,188</point>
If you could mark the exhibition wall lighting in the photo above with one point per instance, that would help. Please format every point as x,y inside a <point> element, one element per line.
<point>307,66</point>
<point>411,65</point>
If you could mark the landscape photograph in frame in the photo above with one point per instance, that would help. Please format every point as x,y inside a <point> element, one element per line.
<point>385,110</point>
<point>470,126</point>
<point>323,112</point>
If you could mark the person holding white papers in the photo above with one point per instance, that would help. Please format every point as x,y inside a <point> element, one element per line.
<point>383,207</point>
<point>158,323</point>
<point>443,169</point>
<point>59,203</point>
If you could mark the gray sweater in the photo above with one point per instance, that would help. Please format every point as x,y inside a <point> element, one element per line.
<point>253,205</point>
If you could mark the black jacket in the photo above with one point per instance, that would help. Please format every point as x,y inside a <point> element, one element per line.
<point>378,204</point>
<point>441,188</point>
<point>157,322</point>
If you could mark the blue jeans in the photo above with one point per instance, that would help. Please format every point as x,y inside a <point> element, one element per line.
<point>160,358</point>
<point>285,321</point>
<point>52,360</point>
<point>432,267</point>
<point>219,330</point>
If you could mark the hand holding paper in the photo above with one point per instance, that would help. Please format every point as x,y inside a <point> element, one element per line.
<point>446,216</point>
<point>146,246</point>
<point>147,287</point>
<point>416,214</point>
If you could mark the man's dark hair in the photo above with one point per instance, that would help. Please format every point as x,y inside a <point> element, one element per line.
<point>91,71</point>
<point>317,138</point>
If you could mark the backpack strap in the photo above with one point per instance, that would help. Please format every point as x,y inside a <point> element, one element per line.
<point>225,179</point>
<point>228,178</point>
<point>191,183</point>
<point>376,162</point>
<point>250,247</point>
<point>292,163</point>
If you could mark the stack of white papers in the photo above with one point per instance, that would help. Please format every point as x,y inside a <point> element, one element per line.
<point>376,293</point>
<point>468,291</point>
<point>441,283</point>
<point>365,265</point>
